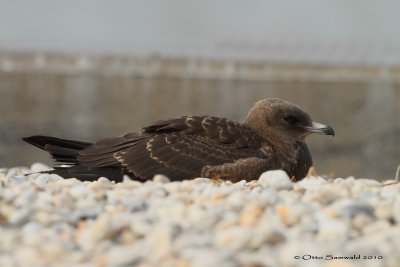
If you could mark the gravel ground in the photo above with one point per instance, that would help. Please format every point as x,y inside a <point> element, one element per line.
<point>46,220</point>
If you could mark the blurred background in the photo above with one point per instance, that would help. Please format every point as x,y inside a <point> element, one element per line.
<point>92,69</point>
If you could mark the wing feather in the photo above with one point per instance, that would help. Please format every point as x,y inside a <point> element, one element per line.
<point>178,148</point>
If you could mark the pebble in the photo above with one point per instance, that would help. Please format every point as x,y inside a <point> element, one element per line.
<point>43,179</point>
<point>390,191</point>
<point>276,179</point>
<point>39,167</point>
<point>162,179</point>
<point>251,214</point>
<point>396,209</point>
<point>332,229</point>
<point>120,255</point>
<point>50,221</point>
<point>18,179</point>
<point>357,208</point>
<point>311,182</point>
<point>19,217</point>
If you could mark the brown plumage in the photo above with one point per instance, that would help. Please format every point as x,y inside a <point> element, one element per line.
<point>271,137</point>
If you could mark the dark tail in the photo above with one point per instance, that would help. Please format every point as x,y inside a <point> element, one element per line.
<point>64,152</point>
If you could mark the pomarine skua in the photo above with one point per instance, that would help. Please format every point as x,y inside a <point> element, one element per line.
<point>271,137</point>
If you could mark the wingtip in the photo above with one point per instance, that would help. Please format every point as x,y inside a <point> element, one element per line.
<point>29,139</point>
<point>35,140</point>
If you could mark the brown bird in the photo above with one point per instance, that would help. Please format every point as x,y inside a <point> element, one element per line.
<point>271,137</point>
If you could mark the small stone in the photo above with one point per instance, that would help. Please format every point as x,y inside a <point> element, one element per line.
<point>54,251</point>
<point>338,181</point>
<point>310,182</point>
<point>104,180</point>
<point>43,217</point>
<point>162,239</point>
<point>201,180</point>
<point>277,179</point>
<point>369,182</point>
<point>69,182</point>
<point>332,229</point>
<point>376,227</point>
<point>323,195</point>
<point>207,256</point>
<point>18,179</point>
<point>17,171</point>
<point>233,238</point>
<point>80,191</point>
<point>396,209</point>
<point>56,177</point>
<point>350,179</point>
<point>161,179</point>
<point>25,198</point>
<point>126,179</point>
<point>250,214</point>
<point>390,191</point>
<point>353,209</point>
<point>123,256</point>
<point>361,220</point>
<point>274,237</point>
<point>365,185</point>
<point>383,210</point>
<point>20,216</point>
<point>267,234</point>
<point>39,167</point>
<point>290,214</point>
<point>31,255</point>
<point>43,179</point>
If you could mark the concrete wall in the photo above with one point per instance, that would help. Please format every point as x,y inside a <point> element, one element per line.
<point>309,30</point>
<point>97,96</point>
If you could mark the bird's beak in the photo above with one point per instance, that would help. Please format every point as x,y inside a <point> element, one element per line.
<point>320,129</point>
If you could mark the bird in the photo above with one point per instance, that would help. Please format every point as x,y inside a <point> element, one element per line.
<point>271,137</point>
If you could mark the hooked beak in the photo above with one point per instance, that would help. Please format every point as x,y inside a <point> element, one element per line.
<point>320,129</point>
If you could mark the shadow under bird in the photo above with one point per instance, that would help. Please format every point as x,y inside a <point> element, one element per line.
<point>271,137</point>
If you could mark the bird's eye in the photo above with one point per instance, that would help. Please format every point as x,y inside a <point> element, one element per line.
<point>290,119</point>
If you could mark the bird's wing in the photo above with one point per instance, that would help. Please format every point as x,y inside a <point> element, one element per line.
<point>178,148</point>
<point>219,130</point>
<point>102,153</point>
<point>181,147</point>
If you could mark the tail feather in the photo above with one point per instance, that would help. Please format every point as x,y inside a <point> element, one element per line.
<point>40,141</point>
<point>64,151</point>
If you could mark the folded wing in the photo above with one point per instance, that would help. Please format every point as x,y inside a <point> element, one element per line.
<point>178,148</point>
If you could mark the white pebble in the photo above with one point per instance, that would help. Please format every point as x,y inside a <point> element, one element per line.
<point>43,179</point>
<point>39,167</point>
<point>390,191</point>
<point>276,179</point>
<point>20,216</point>
<point>55,221</point>
<point>396,209</point>
<point>332,229</point>
<point>310,182</point>
<point>123,256</point>
<point>79,191</point>
<point>17,179</point>
<point>161,179</point>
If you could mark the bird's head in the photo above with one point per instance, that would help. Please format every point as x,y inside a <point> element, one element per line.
<point>277,118</point>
